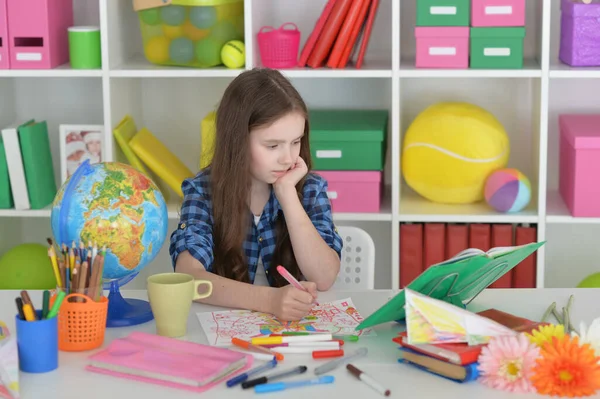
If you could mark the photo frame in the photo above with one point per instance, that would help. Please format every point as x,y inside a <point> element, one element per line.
<point>77,144</point>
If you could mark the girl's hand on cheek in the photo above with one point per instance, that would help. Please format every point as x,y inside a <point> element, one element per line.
<point>287,182</point>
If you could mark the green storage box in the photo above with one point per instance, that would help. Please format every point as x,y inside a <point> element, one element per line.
<point>348,139</point>
<point>443,12</point>
<point>498,48</point>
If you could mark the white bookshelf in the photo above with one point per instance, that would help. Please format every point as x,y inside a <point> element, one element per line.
<point>171,102</point>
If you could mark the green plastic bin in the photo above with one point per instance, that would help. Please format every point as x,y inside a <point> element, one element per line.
<point>443,12</point>
<point>497,48</point>
<point>348,139</point>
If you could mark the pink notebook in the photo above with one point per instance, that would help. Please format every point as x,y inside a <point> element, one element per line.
<point>168,361</point>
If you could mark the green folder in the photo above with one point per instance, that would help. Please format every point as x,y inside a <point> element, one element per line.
<point>6,198</point>
<point>457,281</point>
<point>37,163</point>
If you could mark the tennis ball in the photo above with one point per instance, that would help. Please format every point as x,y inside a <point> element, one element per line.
<point>203,17</point>
<point>233,54</point>
<point>173,32</point>
<point>157,49</point>
<point>172,15</point>
<point>181,50</point>
<point>449,151</point>
<point>208,52</point>
<point>193,33</point>
<point>150,16</point>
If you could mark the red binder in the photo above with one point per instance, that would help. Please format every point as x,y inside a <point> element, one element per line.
<point>479,236</point>
<point>344,35</point>
<point>411,252</point>
<point>434,244</point>
<point>368,28</point>
<point>457,239</point>
<point>524,274</point>
<point>328,35</point>
<point>354,34</point>
<point>314,36</point>
<point>502,236</point>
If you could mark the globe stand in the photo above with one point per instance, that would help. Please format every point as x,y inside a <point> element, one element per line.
<point>126,312</point>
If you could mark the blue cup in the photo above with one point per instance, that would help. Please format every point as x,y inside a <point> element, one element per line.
<point>38,344</point>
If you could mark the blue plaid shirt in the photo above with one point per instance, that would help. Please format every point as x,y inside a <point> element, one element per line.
<point>194,231</point>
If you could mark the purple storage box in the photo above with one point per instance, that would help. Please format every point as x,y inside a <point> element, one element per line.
<point>580,33</point>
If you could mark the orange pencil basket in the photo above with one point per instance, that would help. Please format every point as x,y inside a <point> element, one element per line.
<point>82,324</point>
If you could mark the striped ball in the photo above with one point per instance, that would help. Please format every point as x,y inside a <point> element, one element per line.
<point>507,190</point>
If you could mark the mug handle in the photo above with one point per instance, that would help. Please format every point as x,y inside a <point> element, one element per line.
<point>198,283</point>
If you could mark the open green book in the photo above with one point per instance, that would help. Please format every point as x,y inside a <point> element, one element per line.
<point>457,281</point>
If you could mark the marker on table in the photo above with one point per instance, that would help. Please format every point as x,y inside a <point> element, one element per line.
<point>368,380</point>
<point>265,379</point>
<point>247,345</point>
<point>290,279</point>
<point>290,338</point>
<point>244,376</point>
<point>327,367</point>
<point>280,386</point>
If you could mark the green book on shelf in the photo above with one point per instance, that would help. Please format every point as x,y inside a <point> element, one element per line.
<point>37,162</point>
<point>457,281</point>
<point>6,199</point>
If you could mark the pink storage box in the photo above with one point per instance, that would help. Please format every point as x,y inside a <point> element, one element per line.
<point>4,54</point>
<point>355,191</point>
<point>579,163</point>
<point>442,47</point>
<point>497,12</point>
<point>38,36</point>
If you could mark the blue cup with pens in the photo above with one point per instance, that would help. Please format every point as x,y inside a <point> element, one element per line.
<point>37,342</point>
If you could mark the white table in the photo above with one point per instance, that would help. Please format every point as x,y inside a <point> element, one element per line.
<point>70,380</point>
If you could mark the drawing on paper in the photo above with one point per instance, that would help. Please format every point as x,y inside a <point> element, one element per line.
<point>338,318</point>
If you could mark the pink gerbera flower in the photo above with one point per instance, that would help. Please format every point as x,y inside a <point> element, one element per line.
<point>506,363</point>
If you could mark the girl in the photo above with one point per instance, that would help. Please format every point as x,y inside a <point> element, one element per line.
<point>257,206</point>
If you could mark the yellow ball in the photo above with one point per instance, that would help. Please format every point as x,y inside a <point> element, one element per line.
<point>173,32</point>
<point>193,33</point>
<point>450,149</point>
<point>157,49</point>
<point>233,54</point>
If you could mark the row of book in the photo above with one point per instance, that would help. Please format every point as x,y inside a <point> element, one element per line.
<point>426,244</point>
<point>456,361</point>
<point>338,32</point>
<point>27,178</point>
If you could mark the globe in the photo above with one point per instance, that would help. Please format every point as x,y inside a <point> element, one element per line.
<point>122,210</point>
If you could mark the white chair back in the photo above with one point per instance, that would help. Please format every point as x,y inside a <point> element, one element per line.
<point>357,269</point>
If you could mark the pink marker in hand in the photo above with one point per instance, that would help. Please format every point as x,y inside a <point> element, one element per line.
<point>290,279</point>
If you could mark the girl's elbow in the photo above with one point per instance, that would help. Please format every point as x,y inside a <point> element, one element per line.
<point>326,283</point>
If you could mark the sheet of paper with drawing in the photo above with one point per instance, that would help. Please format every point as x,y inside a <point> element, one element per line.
<point>430,321</point>
<point>9,364</point>
<point>338,317</point>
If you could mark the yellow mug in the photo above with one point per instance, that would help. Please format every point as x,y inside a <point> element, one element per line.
<point>170,296</point>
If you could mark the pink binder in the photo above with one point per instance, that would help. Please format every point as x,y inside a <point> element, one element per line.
<point>4,55</point>
<point>180,364</point>
<point>38,33</point>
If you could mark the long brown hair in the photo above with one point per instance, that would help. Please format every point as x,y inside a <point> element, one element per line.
<point>255,98</point>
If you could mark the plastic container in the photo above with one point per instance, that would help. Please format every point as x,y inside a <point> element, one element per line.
<point>38,344</point>
<point>500,48</point>
<point>438,13</point>
<point>579,160</point>
<point>442,47</point>
<point>579,34</point>
<point>279,47</point>
<point>81,323</point>
<point>191,33</point>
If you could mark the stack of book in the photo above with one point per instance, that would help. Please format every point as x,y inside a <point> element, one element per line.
<point>456,361</point>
